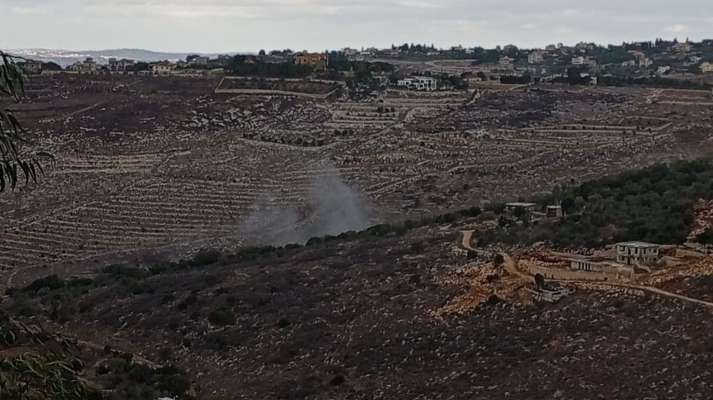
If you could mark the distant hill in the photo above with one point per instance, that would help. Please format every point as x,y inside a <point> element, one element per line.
<point>67,57</point>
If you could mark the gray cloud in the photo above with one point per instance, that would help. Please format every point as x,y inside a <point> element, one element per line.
<point>248,25</point>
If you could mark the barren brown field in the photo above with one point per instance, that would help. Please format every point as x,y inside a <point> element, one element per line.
<point>165,164</point>
<point>402,317</point>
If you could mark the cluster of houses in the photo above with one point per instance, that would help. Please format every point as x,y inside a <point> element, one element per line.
<point>637,59</point>
<point>419,83</point>
<point>192,63</point>
<point>318,61</point>
<point>642,59</point>
<point>531,211</point>
<point>89,66</point>
<point>552,63</point>
<point>629,60</point>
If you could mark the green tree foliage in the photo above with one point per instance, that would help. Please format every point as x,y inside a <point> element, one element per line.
<point>222,316</point>
<point>654,204</point>
<point>574,76</point>
<point>668,83</point>
<point>39,365</point>
<point>610,55</point>
<point>706,237</point>
<point>51,282</point>
<point>51,372</point>
<point>498,260</point>
<point>51,66</point>
<point>486,56</point>
<point>29,377</point>
<point>252,66</point>
<point>515,80</point>
<point>14,163</point>
<point>139,67</point>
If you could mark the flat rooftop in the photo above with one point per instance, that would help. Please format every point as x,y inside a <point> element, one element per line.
<point>520,204</point>
<point>638,244</point>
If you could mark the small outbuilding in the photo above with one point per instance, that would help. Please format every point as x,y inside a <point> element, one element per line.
<point>554,212</point>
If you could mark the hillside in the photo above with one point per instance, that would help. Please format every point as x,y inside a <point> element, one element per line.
<point>150,164</point>
<point>397,312</point>
<point>432,303</point>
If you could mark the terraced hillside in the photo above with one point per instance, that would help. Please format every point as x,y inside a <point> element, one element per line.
<point>165,164</point>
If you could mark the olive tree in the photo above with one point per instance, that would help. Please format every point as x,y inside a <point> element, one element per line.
<point>15,163</point>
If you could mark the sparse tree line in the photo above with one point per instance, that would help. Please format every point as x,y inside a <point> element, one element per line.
<point>655,204</point>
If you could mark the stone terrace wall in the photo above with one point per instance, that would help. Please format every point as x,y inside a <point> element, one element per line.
<point>265,92</point>
<point>564,274</point>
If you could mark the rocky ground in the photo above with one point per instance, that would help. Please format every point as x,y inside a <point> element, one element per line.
<point>151,167</point>
<point>359,319</point>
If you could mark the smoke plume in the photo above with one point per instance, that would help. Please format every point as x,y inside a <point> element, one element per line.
<point>332,207</point>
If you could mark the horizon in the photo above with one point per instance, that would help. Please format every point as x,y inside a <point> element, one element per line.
<point>247,26</point>
<point>444,47</point>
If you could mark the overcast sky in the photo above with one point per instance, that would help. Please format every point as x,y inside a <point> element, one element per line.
<point>250,25</point>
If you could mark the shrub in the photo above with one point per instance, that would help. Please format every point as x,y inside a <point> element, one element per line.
<point>141,373</point>
<point>174,384</point>
<point>118,365</point>
<point>497,208</point>
<point>52,282</point>
<point>471,212</point>
<point>498,260</point>
<point>138,288</point>
<point>706,237</point>
<point>380,230</point>
<point>254,253</point>
<point>125,271</point>
<point>314,241</point>
<point>189,301</point>
<point>213,279</point>
<point>216,342</point>
<point>222,316</point>
<point>205,257</point>
<point>80,282</point>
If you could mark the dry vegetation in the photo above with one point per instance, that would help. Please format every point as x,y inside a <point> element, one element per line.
<point>164,163</point>
<point>153,169</point>
<point>389,317</point>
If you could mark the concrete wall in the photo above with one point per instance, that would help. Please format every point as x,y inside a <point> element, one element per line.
<point>612,288</point>
<point>563,274</point>
<point>264,92</point>
<point>268,92</point>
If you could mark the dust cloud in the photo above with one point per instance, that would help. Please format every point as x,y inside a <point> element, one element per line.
<point>332,207</point>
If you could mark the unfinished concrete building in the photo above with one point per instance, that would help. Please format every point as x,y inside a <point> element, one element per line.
<point>637,253</point>
<point>603,266</point>
<point>521,207</point>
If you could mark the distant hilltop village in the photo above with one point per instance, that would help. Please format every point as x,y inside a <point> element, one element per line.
<point>584,63</point>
